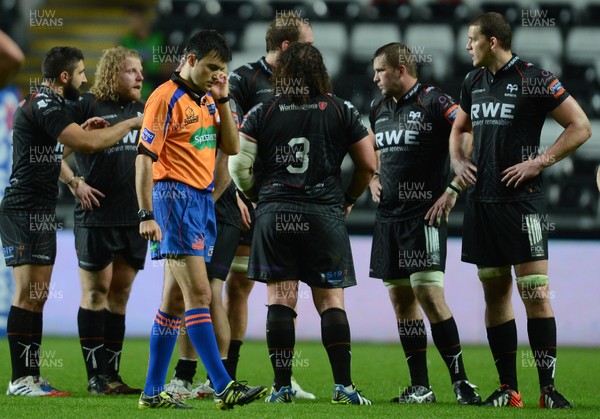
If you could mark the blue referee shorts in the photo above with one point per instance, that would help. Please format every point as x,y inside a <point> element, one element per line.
<point>186,216</point>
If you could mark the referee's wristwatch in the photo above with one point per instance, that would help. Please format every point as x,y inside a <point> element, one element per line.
<point>145,215</point>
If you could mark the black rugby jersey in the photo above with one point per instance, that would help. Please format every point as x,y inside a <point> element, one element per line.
<point>111,171</point>
<point>412,137</point>
<point>39,120</point>
<point>249,85</point>
<point>507,111</point>
<point>301,148</point>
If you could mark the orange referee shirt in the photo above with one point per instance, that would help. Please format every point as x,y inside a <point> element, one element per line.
<point>179,133</point>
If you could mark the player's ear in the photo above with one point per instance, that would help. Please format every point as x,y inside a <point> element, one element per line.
<point>64,77</point>
<point>191,59</point>
<point>494,42</point>
<point>284,45</point>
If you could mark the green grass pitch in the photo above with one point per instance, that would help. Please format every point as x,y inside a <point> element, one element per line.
<point>379,370</point>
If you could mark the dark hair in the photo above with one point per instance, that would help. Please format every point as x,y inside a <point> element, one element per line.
<point>206,42</point>
<point>396,54</point>
<point>60,59</point>
<point>284,28</point>
<point>301,65</point>
<point>496,25</point>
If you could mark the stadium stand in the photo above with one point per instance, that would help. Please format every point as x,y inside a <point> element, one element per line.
<point>348,32</point>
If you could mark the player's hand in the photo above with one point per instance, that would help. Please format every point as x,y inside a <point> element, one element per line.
<point>150,230</point>
<point>375,187</point>
<point>516,175</point>
<point>441,208</point>
<point>598,179</point>
<point>136,123</point>
<point>87,195</point>
<point>465,170</point>
<point>95,123</point>
<point>220,87</point>
<point>245,213</point>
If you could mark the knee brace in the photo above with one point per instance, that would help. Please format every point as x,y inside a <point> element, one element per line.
<point>491,273</point>
<point>240,264</point>
<point>393,283</point>
<point>532,281</point>
<point>427,278</point>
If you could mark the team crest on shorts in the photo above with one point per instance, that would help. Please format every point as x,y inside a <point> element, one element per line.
<point>198,243</point>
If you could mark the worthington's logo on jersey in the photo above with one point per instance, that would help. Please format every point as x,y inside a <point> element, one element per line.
<point>204,137</point>
<point>294,107</point>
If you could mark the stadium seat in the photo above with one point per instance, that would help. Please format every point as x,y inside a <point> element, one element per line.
<point>591,14</point>
<point>540,46</point>
<point>343,10</point>
<point>562,13</point>
<point>583,46</point>
<point>450,12</point>
<point>365,38</point>
<point>332,40</point>
<point>400,10</point>
<point>253,38</point>
<point>512,10</point>
<point>433,45</point>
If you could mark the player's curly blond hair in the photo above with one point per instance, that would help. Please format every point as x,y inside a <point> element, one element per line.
<point>107,71</point>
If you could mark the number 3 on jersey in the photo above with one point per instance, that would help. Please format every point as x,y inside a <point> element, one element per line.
<point>301,155</point>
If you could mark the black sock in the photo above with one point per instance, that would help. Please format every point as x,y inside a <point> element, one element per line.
<point>186,369</point>
<point>413,337</point>
<point>114,334</point>
<point>19,328</point>
<point>446,339</point>
<point>335,334</point>
<point>36,342</point>
<point>91,339</point>
<point>503,343</point>
<point>542,339</point>
<point>281,338</point>
<point>233,357</point>
<point>228,367</point>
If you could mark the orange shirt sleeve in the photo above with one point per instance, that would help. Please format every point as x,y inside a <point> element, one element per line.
<point>155,126</point>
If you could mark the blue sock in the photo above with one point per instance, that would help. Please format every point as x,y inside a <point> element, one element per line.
<point>201,333</point>
<point>162,342</point>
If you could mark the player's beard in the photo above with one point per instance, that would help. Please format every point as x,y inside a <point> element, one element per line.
<point>70,92</point>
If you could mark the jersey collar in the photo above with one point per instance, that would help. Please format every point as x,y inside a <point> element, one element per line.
<point>183,85</point>
<point>265,65</point>
<point>411,92</point>
<point>41,89</point>
<point>505,68</point>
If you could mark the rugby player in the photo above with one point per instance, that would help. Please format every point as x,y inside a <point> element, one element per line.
<point>495,150</point>
<point>301,137</point>
<point>411,123</point>
<point>109,247</point>
<point>28,223</point>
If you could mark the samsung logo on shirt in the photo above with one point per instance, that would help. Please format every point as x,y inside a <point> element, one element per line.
<point>111,116</point>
